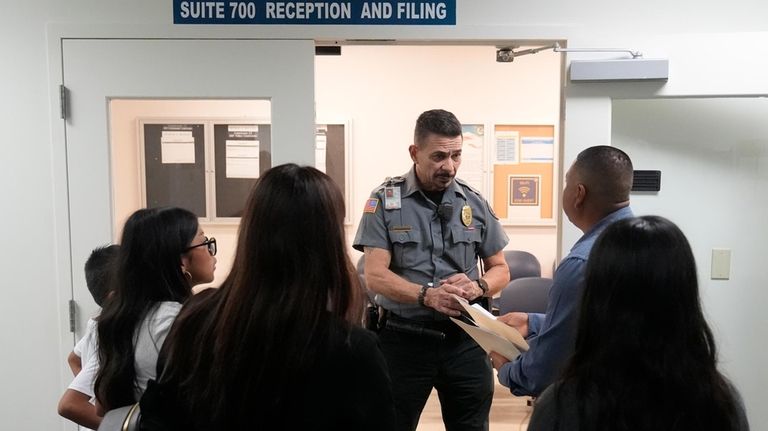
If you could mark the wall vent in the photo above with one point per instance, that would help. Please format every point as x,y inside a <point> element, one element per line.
<point>646,181</point>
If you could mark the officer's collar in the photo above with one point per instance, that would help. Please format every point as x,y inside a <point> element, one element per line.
<point>412,185</point>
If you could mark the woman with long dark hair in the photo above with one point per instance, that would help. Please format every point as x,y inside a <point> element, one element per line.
<point>645,357</point>
<point>163,253</point>
<point>279,343</point>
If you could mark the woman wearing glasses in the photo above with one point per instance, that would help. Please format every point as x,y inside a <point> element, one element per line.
<point>280,343</point>
<point>163,253</point>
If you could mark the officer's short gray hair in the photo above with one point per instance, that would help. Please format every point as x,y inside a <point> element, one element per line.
<point>438,122</point>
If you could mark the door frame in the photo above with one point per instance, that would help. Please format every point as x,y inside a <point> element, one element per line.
<point>60,164</point>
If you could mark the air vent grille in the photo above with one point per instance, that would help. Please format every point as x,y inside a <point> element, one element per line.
<point>646,181</point>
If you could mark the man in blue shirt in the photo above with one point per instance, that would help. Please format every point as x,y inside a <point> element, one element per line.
<point>596,194</point>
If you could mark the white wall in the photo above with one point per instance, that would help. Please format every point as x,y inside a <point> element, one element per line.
<point>381,90</point>
<point>35,258</point>
<point>700,65</point>
<point>713,155</point>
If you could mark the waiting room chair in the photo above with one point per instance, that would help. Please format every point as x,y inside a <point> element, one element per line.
<point>527,294</point>
<point>124,418</point>
<point>522,264</point>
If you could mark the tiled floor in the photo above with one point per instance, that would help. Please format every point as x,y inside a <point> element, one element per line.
<point>508,413</point>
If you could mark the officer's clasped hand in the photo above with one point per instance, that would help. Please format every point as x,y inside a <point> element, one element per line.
<point>442,299</point>
<point>469,289</point>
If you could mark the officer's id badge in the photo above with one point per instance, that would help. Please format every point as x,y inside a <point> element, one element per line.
<point>371,205</point>
<point>392,198</point>
<point>466,215</point>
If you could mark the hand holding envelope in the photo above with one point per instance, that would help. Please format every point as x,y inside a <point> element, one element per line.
<point>491,334</point>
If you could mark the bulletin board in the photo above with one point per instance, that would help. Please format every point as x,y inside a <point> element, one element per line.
<point>523,173</point>
<point>242,152</point>
<point>174,166</point>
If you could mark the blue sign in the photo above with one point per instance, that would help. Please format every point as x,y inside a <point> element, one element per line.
<point>335,12</point>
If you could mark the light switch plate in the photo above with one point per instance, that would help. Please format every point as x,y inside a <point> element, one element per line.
<point>721,264</point>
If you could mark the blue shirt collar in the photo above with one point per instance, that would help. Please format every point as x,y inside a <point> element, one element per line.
<point>589,237</point>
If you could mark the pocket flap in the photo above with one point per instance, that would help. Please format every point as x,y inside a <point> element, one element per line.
<point>404,236</point>
<point>466,234</point>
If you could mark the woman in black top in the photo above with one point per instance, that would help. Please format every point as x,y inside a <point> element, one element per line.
<point>645,357</point>
<point>278,346</point>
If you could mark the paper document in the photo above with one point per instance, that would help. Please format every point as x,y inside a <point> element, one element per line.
<point>489,341</point>
<point>489,333</point>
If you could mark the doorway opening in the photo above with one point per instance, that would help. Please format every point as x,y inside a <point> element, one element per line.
<point>511,116</point>
<point>511,112</point>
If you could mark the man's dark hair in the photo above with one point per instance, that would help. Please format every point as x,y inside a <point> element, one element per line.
<point>606,172</point>
<point>438,122</point>
<point>99,269</point>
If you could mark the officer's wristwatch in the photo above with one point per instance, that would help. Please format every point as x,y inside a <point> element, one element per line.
<point>423,293</point>
<point>483,286</point>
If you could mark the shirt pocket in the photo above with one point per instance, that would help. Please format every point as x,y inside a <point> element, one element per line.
<point>406,249</point>
<point>464,247</point>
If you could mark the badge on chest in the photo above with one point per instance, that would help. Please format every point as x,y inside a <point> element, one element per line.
<point>466,215</point>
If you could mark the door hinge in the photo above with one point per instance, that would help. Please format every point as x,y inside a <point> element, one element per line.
<point>63,101</point>
<point>72,315</point>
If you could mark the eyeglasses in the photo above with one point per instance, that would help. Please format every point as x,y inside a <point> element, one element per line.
<point>209,242</point>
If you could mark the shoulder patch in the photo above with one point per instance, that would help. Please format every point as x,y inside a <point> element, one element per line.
<point>371,205</point>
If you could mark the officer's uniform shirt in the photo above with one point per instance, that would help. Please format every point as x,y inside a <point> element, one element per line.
<point>424,248</point>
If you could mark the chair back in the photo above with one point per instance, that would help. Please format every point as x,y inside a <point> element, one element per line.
<point>361,265</point>
<point>527,294</point>
<point>522,264</point>
<point>124,418</point>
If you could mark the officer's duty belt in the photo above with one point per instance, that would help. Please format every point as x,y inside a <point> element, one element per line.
<point>407,326</point>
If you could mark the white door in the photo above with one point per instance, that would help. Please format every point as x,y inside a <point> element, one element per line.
<point>95,71</point>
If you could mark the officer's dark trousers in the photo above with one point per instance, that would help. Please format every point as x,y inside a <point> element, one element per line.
<point>456,366</point>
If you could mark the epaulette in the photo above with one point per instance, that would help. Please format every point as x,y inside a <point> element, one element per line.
<point>390,181</point>
<point>467,186</point>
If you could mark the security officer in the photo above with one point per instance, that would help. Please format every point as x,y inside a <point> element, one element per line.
<point>422,235</point>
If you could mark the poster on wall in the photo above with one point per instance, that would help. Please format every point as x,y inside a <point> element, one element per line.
<point>524,191</point>
<point>472,160</point>
<point>537,149</point>
<point>242,151</point>
<point>177,145</point>
<point>524,196</point>
<point>506,145</point>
